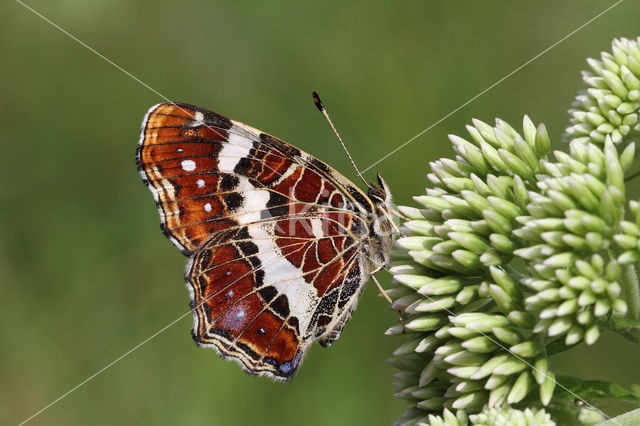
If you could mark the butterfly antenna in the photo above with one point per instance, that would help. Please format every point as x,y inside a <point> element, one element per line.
<point>320,106</point>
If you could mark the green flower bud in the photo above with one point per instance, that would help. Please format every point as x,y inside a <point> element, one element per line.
<point>627,156</point>
<point>521,388</point>
<point>573,165</point>
<point>434,304</point>
<point>421,227</point>
<point>480,344</point>
<point>514,165</point>
<point>425,323</point>
<point>493,157</point>
<point>526,349</point>
<point>498,395</point>
<point>484,133</point>
<point>470,400</point>
<point>592,334</point>
<point>466,358</point>
<point>499,186</point>
<point>431,403</point>
<point>467,259</point>
<point>487,368</point>
<point>462,372</point>
<point>540,369</point>
<point>497,222</point>
<point>462,333</point>
<point>542,142</point>
<point>503,299</point>
<point>574,335</point>
<point>434,203</point>
<point>470,241</point>
<point>496,381</point>
<point>521,319</point>
<point>472,154</point>
<point>428,344</point>
<point>559,326</point>
<point>410,212</point>
<point>547,387</point>
<point>506,335</point>
<point>509,367</point>
<point>414,243</point>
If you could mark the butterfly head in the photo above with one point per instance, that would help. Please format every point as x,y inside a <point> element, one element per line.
<point>379,192</point>
<point>382,226</point>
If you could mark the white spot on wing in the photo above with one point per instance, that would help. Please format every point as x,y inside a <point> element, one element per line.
<point>198,119</point>
<point>188,165</point>
<point>207,207</point>
<point>254,201</point>
<point>236,148</point>
<point>316,228</point>
<point>200,183</point>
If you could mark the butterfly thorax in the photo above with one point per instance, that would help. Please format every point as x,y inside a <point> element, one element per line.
<point>380,227</point>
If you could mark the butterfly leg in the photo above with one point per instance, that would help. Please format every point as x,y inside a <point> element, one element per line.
<point>400,215</point>
<point>386,296</point>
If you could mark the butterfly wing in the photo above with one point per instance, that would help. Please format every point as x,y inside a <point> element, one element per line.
<point>276,237</point>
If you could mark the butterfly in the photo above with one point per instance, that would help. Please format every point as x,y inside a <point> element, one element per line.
<point>280,244</point>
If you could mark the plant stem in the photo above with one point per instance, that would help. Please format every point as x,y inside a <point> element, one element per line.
<point>629,282</point>
<point>630,288</point>
<point>632,334</point>
<point>628,327</point>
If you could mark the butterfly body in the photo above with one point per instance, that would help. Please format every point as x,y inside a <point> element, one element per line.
<point>280,245</point>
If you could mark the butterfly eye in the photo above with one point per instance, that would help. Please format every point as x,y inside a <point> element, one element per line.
<point>377,193</point>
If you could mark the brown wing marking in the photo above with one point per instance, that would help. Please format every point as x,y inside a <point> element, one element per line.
<point>240,312</point>
<point>178,159</point>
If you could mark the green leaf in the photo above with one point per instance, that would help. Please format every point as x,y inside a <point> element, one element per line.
<point>627,419</point>
<point>573,387</point>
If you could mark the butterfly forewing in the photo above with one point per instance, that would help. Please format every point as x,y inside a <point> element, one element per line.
<point>277,239</point>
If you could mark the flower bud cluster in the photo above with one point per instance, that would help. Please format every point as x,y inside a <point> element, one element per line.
<point>508,416</point>
<point>456,285</point>
<point>508,253</point>
<point>468,215</point>
<point>628,238</point>
<point>573,216</point>
<point>502,416</point>
<point>611,103</point>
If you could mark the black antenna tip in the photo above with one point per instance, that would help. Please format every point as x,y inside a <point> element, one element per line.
<point>317,101</point>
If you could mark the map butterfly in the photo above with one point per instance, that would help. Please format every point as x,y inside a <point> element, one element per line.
<point>280,244</point>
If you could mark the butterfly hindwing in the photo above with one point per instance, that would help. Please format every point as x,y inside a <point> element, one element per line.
<point>256,308</point>
<point>276,238</point>
<point>236,313</point>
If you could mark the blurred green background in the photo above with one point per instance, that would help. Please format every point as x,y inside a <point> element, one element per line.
<point>85,273</point>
